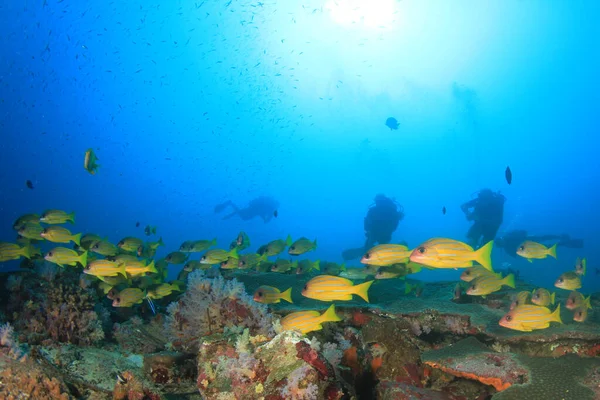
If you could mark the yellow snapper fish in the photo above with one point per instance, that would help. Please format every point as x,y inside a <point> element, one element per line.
<point>105,248</point>
<point>139,268</point>
<point>521,298</point>
<point>230,263</point>
<point>163,290</point>
<point>542,297</point>
<point>272,295</point>
<point>309,321</point>
<point>580,314</point>
<point>104,268</point>
<point>11,251</point>
<point>89,161</point>
<point>331,268</point>
<point>569,281</point>
<point>533,250</point>
<point>123,258</point>
<point>301,246</point>
<point>241,242</point>
<point>449,253</point>
<point>130,244</point>
<point>58,234</point>
<point>275,247</point>
<point>330,288</point>
<point>217,256</point>
<point>193,265</point>
<point>176,257</point>
<point>475,272</point>
<point>527,318</point>
<point>197,246</point>
<point>487,284</point>
<point>283,266</point>
<point>53,217</point>
<point>580,266</point>
<point>386,254</point>
<point>360,273</point>
<point>578,300</point>
<point>62,256</point>
<point>128,297</point>
<point>306,266</point>
<point>156,245</point>
<point>88,240</point>
<point>250,260</point>
<point>31,230</point>
<point>26,219</point>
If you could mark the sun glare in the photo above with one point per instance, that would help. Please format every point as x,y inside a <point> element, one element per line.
<point>363,13</point>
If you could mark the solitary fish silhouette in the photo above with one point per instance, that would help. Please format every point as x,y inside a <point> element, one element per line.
<point>392,123</point>
<point>508,175</point>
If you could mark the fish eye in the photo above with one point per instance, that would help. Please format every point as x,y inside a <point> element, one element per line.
<point>50,253</point>
<point>368,255</point>
<point>421,249</point>
<point>508,318</point>
<point>561,280</point>
<point>579,314</point>
<point>201,258</point>
<point>522,248</point>
<point>292,248</point>
<point>305,287</point>
<point>472,287</point>
<point>467,273</point>
<point>260,294</point>
<point>118,299</point>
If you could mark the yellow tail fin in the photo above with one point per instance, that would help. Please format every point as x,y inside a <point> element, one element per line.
<point>287,295</point>
<point>314,245</point>
<point>552,251</point>
<point>552,298</point>
<point>26,251</point>
<point>509,280</point>
<point>362,290</point>
<point>587,302</point>
<point>584,265</point>
<point>77,239</point>
<point>71,217</point>
<point>556,315</point>
<point>317,265</point>
<point>233,253</point>
<point>484,255</point>
<point>330,315</point>
<point>152,268</point>
<point>83,259</point>
<point>213,242</point>
<point>288,241</point>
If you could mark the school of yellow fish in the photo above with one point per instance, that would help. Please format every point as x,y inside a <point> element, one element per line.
<point>127,273</point>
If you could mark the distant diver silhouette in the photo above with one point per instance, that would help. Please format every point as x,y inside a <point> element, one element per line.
<point>263,207</point>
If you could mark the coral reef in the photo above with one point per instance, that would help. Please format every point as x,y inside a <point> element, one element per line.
<point>286,367</point>
<point>210,306</point>
<point>130,387</point>
<point>59,311</point>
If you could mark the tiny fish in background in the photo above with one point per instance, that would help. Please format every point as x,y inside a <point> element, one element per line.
<point>89,162</point>
<point>392,123</point>
<point>29,184</point>
<point>275,213</point>
<point>508,175</point>
<point>444,210</point>
<point>137,224</point>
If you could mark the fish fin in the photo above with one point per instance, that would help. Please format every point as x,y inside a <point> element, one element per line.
<point>584,265</point>
<point>483,255</point>
<point>315,245</point>
<point>530,260</point>
<point>587,302</point>
<point>555,316</point>
<point>83,259</point>
<point>552,251</point>
<point>330,315</point>
<point>287,295</point>
<point>362,290</point>
<point>509,280</point>
<point>122,270</point>
<point>77,239</point>
<point>288,240</point>
<point>213,242</point>
<point>152,268</point>
<point>71,217</point>
<point>26,251</point>
<point>553,298</point>
<point>407,288</point>
<point>343,268</point>
<point>233,253</point>
<point>160,242</point>
<point>317,265</point>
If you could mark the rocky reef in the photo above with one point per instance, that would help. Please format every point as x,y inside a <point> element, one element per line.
<point>215,342</point>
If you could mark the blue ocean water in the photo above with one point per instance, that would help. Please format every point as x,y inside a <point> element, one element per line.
<point>190,103</point>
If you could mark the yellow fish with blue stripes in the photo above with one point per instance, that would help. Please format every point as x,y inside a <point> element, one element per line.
<point>449,253</point>
<point>527,318</point>
<point>308,321</point>
<point>329,288</point>
<point>383,255</point>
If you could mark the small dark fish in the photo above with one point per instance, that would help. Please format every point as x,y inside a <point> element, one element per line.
<point>458,291</point>
<point>392,123</point>
<point>137,224</point>
<point>275,213</point>
<point>29,184</point>
<point>444,210</point>
<point>508,175</point>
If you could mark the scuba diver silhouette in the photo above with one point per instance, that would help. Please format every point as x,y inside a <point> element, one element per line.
<point>264,207</point>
